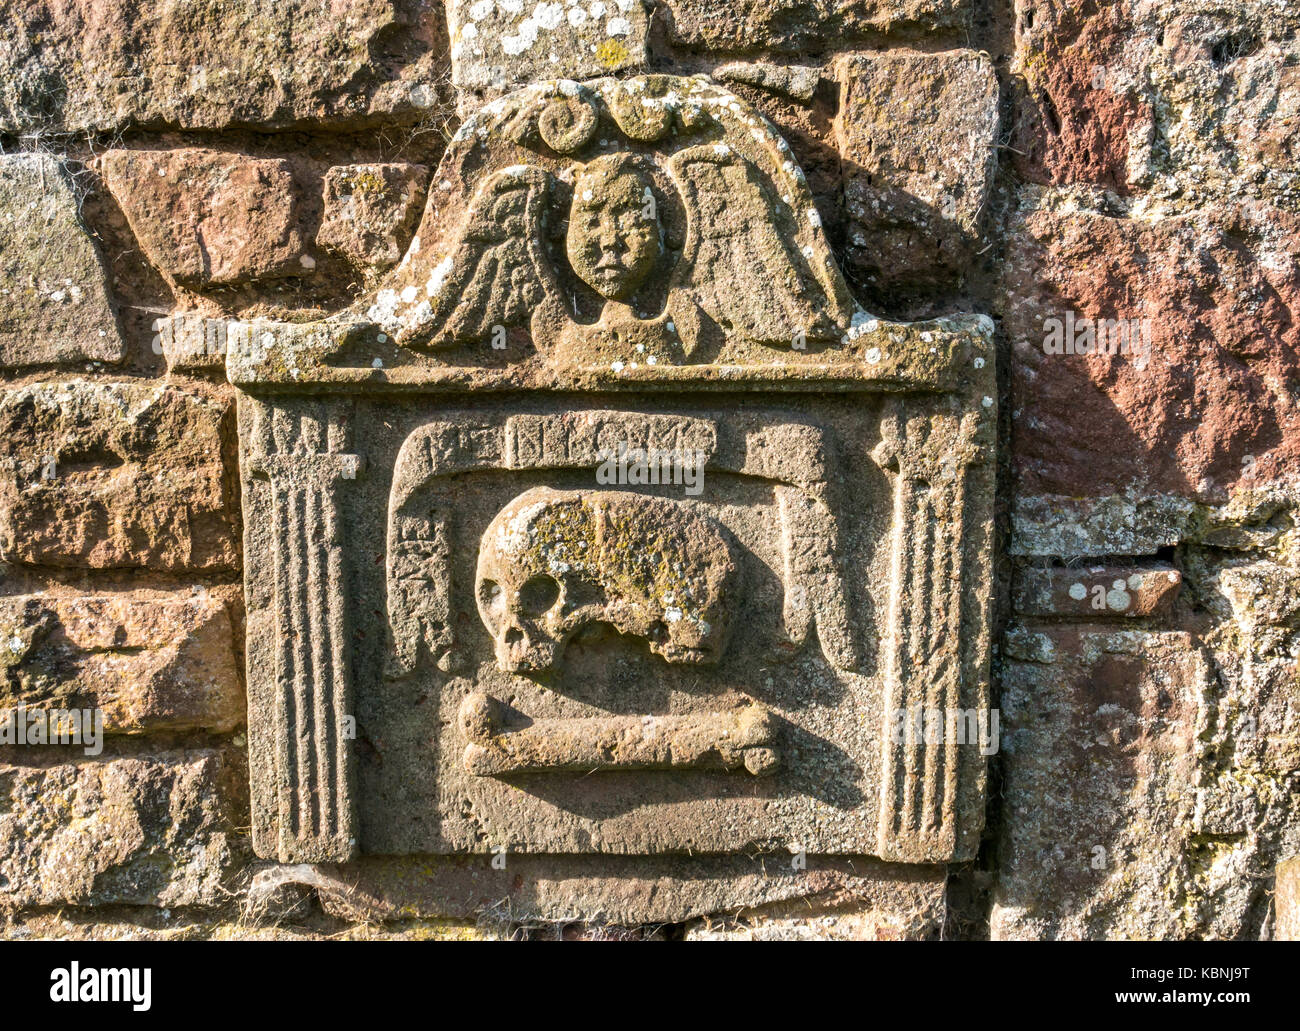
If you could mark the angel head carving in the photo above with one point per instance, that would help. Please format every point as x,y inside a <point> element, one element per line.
<point>615,237</point>
<point>660,249</point>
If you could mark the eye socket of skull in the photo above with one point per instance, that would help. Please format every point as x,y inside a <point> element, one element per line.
<point>538,595</point>
<point>492,599</point>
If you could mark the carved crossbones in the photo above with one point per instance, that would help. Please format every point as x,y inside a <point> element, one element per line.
<point>744,738</point>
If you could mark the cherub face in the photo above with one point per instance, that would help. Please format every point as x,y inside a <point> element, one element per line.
<point>613,241</point>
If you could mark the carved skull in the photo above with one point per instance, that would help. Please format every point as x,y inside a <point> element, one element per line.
<point>553,561</point>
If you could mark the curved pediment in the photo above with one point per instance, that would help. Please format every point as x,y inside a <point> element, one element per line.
<point>639,231</point>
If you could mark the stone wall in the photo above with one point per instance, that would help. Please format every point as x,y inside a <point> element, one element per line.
<point>1115,184</point>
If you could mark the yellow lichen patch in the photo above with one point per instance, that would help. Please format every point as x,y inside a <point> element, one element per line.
<point>611,54</point>
<point>366,181</point>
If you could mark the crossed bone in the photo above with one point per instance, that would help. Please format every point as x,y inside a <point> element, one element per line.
<point>743,738</point>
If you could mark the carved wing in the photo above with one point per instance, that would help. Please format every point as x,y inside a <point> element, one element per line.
<point>496,274</point>
<point>742,264</point>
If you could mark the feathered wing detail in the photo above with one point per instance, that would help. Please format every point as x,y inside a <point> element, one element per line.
<point>742,263</point>
<point>496,275</point>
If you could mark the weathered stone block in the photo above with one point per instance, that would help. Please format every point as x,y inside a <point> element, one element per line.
<point>906,900</point>
<point>54,298</point>
<point>191,343</point>
<point>497,47</point>
<point>728,25</point>
<point>1260,594</point>
<point>1101,764</point>
<point>1226,79</point>
<point>1191,103</point>
<point>797,81</point>
<point>102,65</point>
<point>1082,112</point>
<point>205,217</point>
<point>904,910</point>
<point>563,658</point>
<point>83,925</point>
<point>1286,895</point>
<point>1098,591</point>
<point>1190,826</point>
<point>916,136</point>
<point>370,211</point>
<point>1255,606</point>
<point>116,475</point>
<point>154,831</point>
<point>1129,523</point>
<point>1148,353</point>
<point>148,660</point>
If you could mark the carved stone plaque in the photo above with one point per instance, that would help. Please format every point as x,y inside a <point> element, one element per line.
<point>609,524</point>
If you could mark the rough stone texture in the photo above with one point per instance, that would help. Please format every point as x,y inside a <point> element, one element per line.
<point>1149,776</point>
<point>1101,757</point>
<point>801,922</point>
<point>204,217</point>
<point>107,64</point>
<point>915,196</point>
<point>1097,591</point>
<point>54,302</point>
<point>797,81</point>
<point>370,211</point>
<point>1134,523</point>
<point>1252,596</point>
<point>190,343</point>
<point>1226,84</point>
<point>141,924</point>
<point>1286,902</point>
<point>1204,404</point>
<point>152,831</point>
<point>739,25</point>
<point>425,683</point>
<point>622,890</point>
<point>1083,113</point>
<point>150,661</point>
<point>1187,103</point>
<point>498,46</point>
<point>116,475</point>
